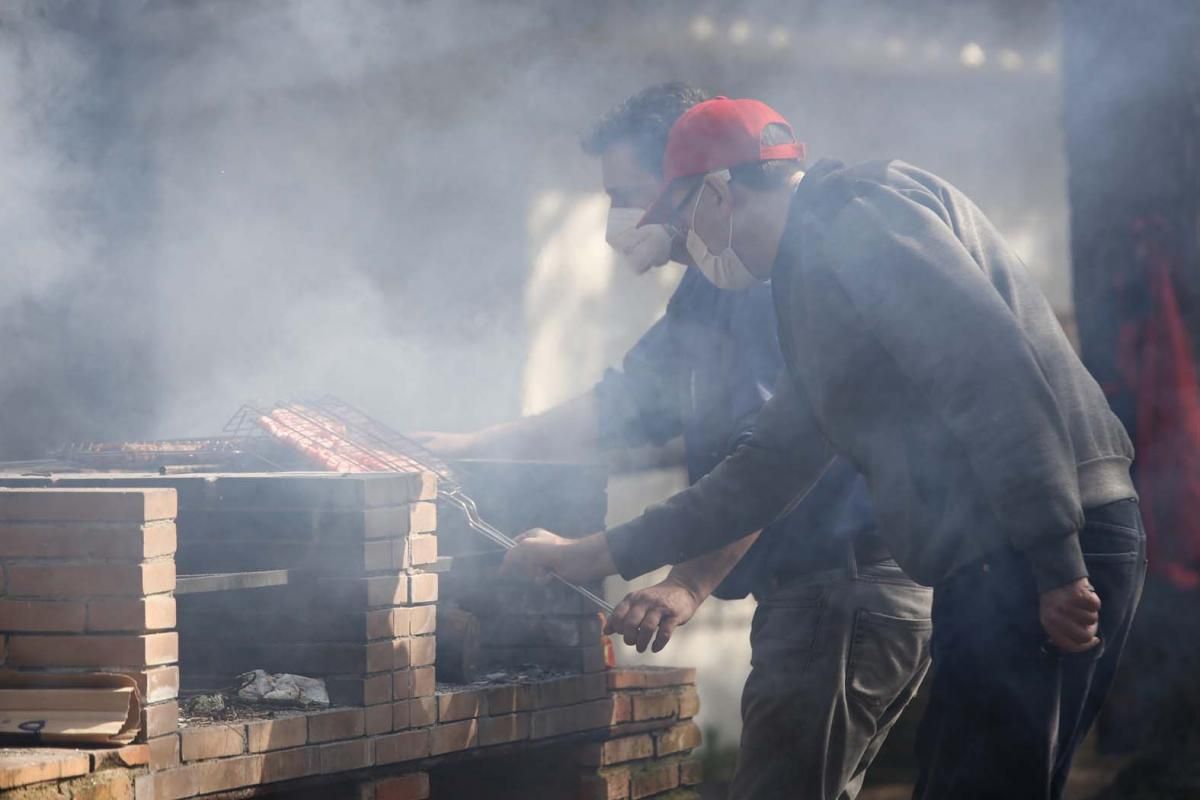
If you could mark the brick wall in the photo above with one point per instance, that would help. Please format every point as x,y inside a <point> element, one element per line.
<point>88,582</point>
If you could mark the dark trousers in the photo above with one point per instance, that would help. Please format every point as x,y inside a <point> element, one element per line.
<point>1007,710</point>
<point>837,656</point>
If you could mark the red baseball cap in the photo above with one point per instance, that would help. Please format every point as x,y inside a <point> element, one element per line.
<point>717,134</point>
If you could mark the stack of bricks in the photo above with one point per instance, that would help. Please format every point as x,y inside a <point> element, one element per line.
<point>521,622</point>
<point>648,752</point>
<point>632,729</point>
<point>88,582</point>
<point>359,610</point>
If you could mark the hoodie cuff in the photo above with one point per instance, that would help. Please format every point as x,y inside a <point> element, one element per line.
<point>1057,562</point>
<point>627,548</point>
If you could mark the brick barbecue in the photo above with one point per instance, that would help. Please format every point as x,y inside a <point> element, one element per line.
<point>186,581</point>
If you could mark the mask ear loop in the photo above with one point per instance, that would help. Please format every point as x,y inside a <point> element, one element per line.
<point>726,176</point>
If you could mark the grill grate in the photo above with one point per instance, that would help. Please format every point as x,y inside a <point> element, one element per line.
<point>341,437</point>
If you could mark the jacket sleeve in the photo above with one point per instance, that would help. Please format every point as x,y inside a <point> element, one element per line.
<point>764,477</point>
<point>923,296</point>
<point>639,404</point>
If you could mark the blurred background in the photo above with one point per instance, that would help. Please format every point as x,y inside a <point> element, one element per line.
<point>210,202</point>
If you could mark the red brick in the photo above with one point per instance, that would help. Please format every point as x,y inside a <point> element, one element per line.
<point>617,751</point>
<point>569,719</point>
<point>406,787</point>
<point>422,711</point>
<point>377,689</point>
<point>93,651</point>
<point>423,681</point>
<point>507,699</point>
<point>387,590</point>
<point>653,780</point>
<point>381,655</point>
<point>422,650</point>
<point>606,784</point>
<point>96,541</point>
<point>414,551</point>
<point>159,719</point>
<point>650,677</point>
<point>207,777</point>
<point>378,719</point>
<point>381,624</point>
<point>87,505</point>
<point>131,755</point>
<point>465,704</point>
<point>339,723</point>
<point>25,766</point>
<point>84,580</point>
<point>143,614</point>
<point>567,691</point>
<point>677,739</point>
<point>595,685</point>
<point>689,702</point>
<point>41,615</point>
<point>287,765</point>
<point>406,746</point>
<point>377,556</point>
<point>211,741</point>
<point>655,705</point>
<point>454,736</point>
<point>503,729</point>
<point>402,684</point>
<point>164,751</point>
<point>423,588</point>
<point>156,683</point>
<point>401,715</point>
<point>422,620</point>
<point>276,734</point>
<point>622,709</point>
<point>416,518</point>
<point>691,772</point>
<point>345,756</point>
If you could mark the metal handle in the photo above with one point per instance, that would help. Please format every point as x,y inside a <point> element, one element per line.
<point>467,506</point>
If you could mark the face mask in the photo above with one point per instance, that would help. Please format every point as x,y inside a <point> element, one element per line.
<point>640,248</point>
<point>725,270</point>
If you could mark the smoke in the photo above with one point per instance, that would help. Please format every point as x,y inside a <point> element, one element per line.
<point>212,202</point>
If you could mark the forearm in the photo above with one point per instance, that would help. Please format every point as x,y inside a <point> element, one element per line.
<point>785,455</point>
<point>703,574</point>
<point>566,431</point>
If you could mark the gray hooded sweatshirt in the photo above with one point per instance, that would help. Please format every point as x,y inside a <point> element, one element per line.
<point>918,347</point>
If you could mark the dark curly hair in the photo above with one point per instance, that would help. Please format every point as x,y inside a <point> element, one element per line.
<point>644,120</point>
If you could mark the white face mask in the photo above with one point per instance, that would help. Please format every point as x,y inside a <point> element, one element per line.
<point>725,270</point>
<point>641,248</point>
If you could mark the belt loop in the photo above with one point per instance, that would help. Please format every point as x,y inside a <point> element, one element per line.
<point>851,560</point>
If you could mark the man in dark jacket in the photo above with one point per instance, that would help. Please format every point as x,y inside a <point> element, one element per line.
<point>919,349</point>
<point>827,604</point>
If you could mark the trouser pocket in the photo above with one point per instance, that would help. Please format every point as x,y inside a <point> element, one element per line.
<point>885,654</point>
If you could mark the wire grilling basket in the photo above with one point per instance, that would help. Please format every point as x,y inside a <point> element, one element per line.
<point>343,438</point>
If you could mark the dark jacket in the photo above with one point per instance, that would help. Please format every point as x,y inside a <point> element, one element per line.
<point>704,371</point>
<point>919,348</point>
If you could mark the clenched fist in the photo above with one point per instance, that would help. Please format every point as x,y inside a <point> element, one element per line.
<point>1070,615</point>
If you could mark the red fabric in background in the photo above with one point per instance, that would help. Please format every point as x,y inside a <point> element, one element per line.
<point>1158,360</point>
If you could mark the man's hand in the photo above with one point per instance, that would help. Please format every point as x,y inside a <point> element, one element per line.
<point>540,553</point>
<point>661,608</point>
<point>446,445</point>
<point>1070,616</point>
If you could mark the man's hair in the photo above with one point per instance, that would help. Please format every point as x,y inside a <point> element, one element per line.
<point>644,121</point>
<point>773,174</point>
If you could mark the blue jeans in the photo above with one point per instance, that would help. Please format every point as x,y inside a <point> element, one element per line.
<point>1007,710</point>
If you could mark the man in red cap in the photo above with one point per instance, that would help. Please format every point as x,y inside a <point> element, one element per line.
<point>918,348</point>
<point>702,373</point>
